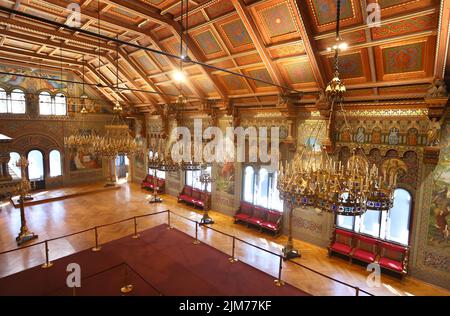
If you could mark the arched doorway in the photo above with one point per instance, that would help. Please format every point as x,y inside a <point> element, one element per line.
<point>122,167</point>
<point>36,170</point>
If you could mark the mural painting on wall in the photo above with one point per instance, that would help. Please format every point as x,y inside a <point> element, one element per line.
<point>46,81</point>
<point>376,135</point>
<point>139,158</point>
<point>438,230</point>
<point>225,177</point>
<point>83,159</point>
<point>360,136</point>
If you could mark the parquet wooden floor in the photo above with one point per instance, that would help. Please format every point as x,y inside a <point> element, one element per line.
<point>72,215</point>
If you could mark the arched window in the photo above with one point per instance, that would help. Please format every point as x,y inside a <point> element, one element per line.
<point>45,103</point>
<point>393,225</point>
<point>3,101</point>
<point>13,158</point>
<point>55,163</point>
<point>18,101</point>
<point>262,195</point>
<point>159,174</point>
<point>192,179</point>
<point>248,184</point>
<point>398,218</point>
<point>260,188</point>
<point>36,166</point>
<point>275,202</point>
<point>60,104</point>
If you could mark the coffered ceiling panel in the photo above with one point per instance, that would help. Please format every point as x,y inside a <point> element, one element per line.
<point>276,21</point>
<point>409,60</point>
<point>324,13</point>
<point>282,41</point>
<point>209,44</point>
<point>235,34</point>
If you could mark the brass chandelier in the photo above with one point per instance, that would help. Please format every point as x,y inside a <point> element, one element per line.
<point>81,138</point>
<point>331,186</point>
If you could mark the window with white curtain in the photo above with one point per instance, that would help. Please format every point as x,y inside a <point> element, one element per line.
<point>13,159</point>
<point>36,166</point>
<point>260,188</point>
<point>52,105</point>
<point>249,184</point>
<point>159,174</point>
<point>60,102</point>
<point>45,103</point>
<point>55,163</point>
<point>192,179</point>
<point>17,102</point>
<point>393,225</point>
<point>3,101</point>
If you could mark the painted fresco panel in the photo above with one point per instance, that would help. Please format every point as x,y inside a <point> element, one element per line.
<point>406,58</point>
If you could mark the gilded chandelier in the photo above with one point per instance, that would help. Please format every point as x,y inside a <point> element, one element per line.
<point>331,186</point>
<point>117,139</point>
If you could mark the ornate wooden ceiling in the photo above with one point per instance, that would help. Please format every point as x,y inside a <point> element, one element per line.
<point>280,41</point>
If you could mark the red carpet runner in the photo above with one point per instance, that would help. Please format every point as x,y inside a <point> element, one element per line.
<point>161,262</point>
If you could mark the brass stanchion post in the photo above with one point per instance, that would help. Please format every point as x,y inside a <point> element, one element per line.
<point>233,258</point>
<point>279,282</point>
<point>196,241</point>
<point>97,247</point>
<point>47,263</point>
<point>127,288</point>
<point>136,235</point>
<point>168,220</point>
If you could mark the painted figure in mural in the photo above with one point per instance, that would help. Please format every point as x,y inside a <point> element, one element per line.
<point>225,179</point>
<point>433,133</point>
<point>393,136</point>
<point>360,136</point>
<point>441,211</point>
<point>412,137</point>
<point>376,135</point>
<point>81,160</point>
<point>346,136</point>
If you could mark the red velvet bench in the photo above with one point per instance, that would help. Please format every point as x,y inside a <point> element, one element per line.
<point>341,242</point>
<point>366,249</point>
<point>260,217</point>
<point>193,196</point>
<point>148,183</point>
<point>394,257</point>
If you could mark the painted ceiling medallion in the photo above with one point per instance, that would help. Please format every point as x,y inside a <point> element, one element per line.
<point>279,20</point>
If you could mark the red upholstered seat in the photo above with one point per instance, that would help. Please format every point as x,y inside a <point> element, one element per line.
<point>254,220</point>
<point>242,216</point>
<point>246,208</point>
<point>344,233</point>
<point>391,264</point>
<point>196,194</point>
<point>342,248</point>
<point>269,225</point>
<point>393,247</point>
<point>187,190</point>
<point>364,255</point>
